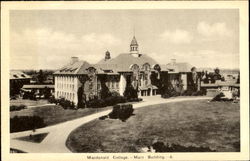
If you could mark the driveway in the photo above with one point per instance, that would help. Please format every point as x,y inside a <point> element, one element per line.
<point>55,141</point>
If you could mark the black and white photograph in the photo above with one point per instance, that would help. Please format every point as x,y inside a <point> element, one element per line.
<point>126,80</point>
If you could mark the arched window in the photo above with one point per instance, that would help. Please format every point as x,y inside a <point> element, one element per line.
<point>157,67</point>
<point>146,67</point>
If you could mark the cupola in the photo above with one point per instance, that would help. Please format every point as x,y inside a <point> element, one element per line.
<point>134,47</point>
<point>107,55</point>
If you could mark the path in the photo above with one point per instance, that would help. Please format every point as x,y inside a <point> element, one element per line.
<point>55,142</point>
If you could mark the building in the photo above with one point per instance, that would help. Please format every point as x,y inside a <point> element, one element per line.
<point>180,75</point>
<point>17,80</point>
<point>39,88</point>
<point>80,80</point>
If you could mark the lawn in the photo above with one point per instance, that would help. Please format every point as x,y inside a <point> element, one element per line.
<point>53,114</point>
<point>28,102</point>
<point>37,138</point>
<point>214,125</point>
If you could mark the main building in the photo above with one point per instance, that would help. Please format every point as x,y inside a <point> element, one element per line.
<point>81,80</point>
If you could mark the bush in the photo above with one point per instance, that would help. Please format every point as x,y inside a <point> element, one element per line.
<point>17,108</point>
<point>187,93</point>
<point>170,93</point>
<point>66,104</point>
<point>198,93</point>
<point>96,103</point>
<point>135,100</point>
<point>23,123</point>
<point>29,95</point>
<point>52,99</point>
<point>161,147</point>
<point>109,101</point>
<point>218,97</point>
<point>130,92</point>
<point>121,111</point>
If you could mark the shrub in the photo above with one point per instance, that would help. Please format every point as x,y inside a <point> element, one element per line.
<point>170,93</point>
<point>165,95</point>
<point>17,108</point>
<point>22,123</point>
<point>52,99</point>
<point>29,95</point>
<point>115,94</point>
<point>161,147</point>
<point>219,97</point>
<point>134,100</point>
<point>187,93</point>
<point>130,92</point>
<point>96,103</point>
<point>66,104</point>
<point>109,101</point>
<point>121,111</point>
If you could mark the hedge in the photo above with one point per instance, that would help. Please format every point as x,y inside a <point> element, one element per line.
<point>109,101</point>
<point>173,93</point>
<point>23,123</point>
<point>121,111</point>
<point>66,104</point>
<point>17,108</point>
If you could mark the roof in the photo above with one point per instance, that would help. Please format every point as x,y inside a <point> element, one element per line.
<point>123,62</point>
<point>16,74</point>
<point>134,42</point>
<point>35,86</point>
<point>78,67</point>
<point>179,67</point>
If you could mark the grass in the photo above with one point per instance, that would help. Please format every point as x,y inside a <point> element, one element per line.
<point>215,125</point>
<point>37,138</point>
<point>28,102</point>
<point>53,114</point>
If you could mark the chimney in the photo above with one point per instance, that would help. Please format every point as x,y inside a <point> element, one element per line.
<point>74,59</point>
<point>107,55</point>
<point>173,61</point>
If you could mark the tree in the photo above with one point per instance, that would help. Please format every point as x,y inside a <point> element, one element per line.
<point>217,71</point>
<point>194,78</point>
<point>81,101</point>
<point>217,75</point>
<point>41,76</point>
<point>130,92</point>
<point>238,79</point>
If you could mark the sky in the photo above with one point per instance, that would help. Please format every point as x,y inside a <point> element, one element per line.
<point>47,39</point>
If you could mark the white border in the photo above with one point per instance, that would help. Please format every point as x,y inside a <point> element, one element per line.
<point>244,64</point>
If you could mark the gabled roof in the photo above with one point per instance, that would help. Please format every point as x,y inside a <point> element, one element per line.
<point>78,67</point>
<point>123,62</point>
<point>179,67</point>
<point>16,74</point>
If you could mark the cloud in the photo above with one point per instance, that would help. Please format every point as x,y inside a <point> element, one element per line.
<point>50,49</point>
<point>177,36</point>
<point>200,58</point>
<point>215,29</point>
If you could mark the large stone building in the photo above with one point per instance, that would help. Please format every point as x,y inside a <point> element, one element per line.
<point>81,80</point>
